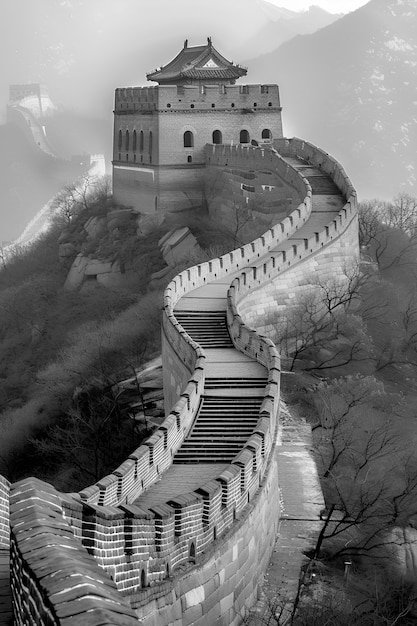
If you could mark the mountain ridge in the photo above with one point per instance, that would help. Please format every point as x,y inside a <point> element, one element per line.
<point>356,97</point>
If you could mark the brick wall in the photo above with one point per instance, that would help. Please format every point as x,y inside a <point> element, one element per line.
<point>4,513</point>
<point>54,579</point>
<point>166,113</point>
<point>230,521</point>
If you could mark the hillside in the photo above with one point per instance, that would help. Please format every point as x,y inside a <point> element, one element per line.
<point>355,93</point>
<point>62,344</point>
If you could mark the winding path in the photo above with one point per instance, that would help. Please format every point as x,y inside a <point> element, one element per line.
<point>230,404</point>
<point>147,532</point>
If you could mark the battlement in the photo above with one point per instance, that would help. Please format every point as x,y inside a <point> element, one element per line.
<point>130,100</point>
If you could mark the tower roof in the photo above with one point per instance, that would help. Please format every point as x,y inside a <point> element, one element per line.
<point>198,64</point>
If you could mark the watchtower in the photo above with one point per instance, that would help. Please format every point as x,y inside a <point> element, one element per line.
<point>160,131</point>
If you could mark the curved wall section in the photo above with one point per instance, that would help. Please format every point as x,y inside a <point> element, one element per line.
<point>196,558</point>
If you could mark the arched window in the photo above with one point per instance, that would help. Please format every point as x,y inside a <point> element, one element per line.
<point>217,136</point>
<point>127,141</point>
<point>266,134</point>
<point>188,139</point>
<point>141,141</point>
<point>134,141</point>
<point>189,159</point>
<point>150,145</point>
<point>120,142</point>
<point>244,136</point>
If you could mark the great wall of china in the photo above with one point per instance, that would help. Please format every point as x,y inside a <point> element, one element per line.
<point>166,538</point>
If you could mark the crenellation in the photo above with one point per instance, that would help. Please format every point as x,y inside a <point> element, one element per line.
<point>170,98</point>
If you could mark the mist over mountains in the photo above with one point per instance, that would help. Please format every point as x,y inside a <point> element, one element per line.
<point>347,83</point>
<point>351,89</point>
<point>83,49</point>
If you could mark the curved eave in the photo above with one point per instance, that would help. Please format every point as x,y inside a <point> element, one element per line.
<point>198,74</point>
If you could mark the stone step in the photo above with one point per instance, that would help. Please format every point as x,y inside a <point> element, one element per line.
<point>231,383</point>
<point>222,420</point>
<point>229,410</point>
<point>221,429</point>
<point>208,328</point>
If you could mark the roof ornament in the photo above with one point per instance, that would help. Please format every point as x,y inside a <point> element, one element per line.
<point>209,41</point>
<point>186,43</point>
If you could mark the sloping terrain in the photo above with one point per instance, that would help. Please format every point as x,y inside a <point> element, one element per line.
<point>354,93</point>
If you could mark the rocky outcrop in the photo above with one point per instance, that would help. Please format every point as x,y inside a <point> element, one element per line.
<point>105,273</point>
<point>176,245</point>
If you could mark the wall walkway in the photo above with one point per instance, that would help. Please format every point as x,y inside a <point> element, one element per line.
<point>189,545</point>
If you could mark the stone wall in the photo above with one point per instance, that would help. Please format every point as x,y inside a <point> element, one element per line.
<point>4,513</point>
<point>54,580</point>
<point>152,169</point>
<point>196,559</point>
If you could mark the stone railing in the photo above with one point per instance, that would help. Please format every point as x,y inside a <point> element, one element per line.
<point>253,277</point>
<point>54,580</point>
<point>137,548</point>
<point>4,513</point>
<point>145,465</point>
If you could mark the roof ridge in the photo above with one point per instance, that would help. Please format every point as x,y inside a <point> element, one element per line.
<point>188,60</point>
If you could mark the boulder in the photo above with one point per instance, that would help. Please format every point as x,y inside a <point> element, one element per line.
<point>76,273</point>
<point>116,219</point>
<point>177,244</point>
<point>95,226</point>
<point>95,267</point>
<point>148,223</point>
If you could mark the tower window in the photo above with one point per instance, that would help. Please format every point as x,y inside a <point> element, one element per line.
<point>192,106</point>
<point>150,145</point>
<point>217,136</point>
<point>189,159</point>
<point>233,105</point>
<point>141,141</point>
<point>244,136</point>
<point>213,106</point>
<point>127,141</point>
<point>269,104</point>
<point>188,139</point>
<point>168,105</point>
<point>266,134</point>
<point>134,141</point>
<point>120,141</point>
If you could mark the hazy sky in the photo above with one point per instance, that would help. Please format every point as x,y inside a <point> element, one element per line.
<point>333,6</point>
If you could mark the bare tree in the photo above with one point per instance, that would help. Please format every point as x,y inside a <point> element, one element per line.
<point>92,438</point>
<point>321,330</point>
<point>388,230</point>
<point>79,196</point>
<point>369,480</point>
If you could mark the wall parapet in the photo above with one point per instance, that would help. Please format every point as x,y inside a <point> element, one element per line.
<point>53,579</point>
<point>4,513</point>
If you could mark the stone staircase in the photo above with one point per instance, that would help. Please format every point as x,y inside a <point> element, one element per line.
<point>234,383</point>
<point>208,328</point>
<point>222,427</point>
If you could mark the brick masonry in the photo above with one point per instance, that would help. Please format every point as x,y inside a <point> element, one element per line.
<point>147,556</point>
<point>153,169</point>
